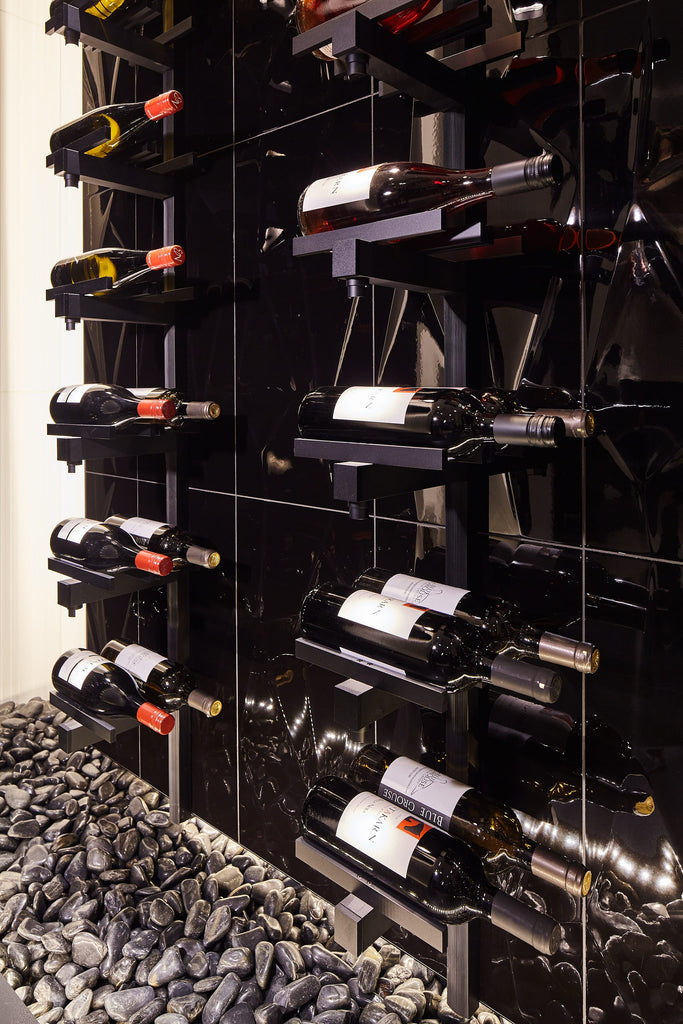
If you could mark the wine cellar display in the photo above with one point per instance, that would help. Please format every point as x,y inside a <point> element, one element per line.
<point>410,373</point>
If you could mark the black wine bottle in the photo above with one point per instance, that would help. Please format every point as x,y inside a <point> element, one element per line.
<point>439,873</point>
<point>104,547</point>
<point>165,540</point>
<point>108,404</point>
<point>607,754</point>
<point>95,684</point>
<point>500,622</point>
<point>186,410</point>
<point>425,644</point>
<point>166,682</point>
<point>488,825</point>
<point>124,124</point>
<point>528,774</point>
<point>123,266</point>
<point>458,418</point>
<point>392,189</point>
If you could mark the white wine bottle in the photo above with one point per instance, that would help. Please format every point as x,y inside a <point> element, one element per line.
<point>392,189</point>
<point>500,622</point>
<point>123,266</point>
<point>124,124</point>
<point>488,825</point>
<point>165,540</point>
<point>162,680</point>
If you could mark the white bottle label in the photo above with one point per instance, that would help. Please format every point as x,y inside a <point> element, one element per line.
<point>74,394</point>
<point>381,831</point>
<point>435,596</point>
<point>352,187</point>
<point>144,528</point>
<point>76,529</point>
<point>380,612</point>
<point>374,405</point>
<point>139,661</point>
<point>421,791</point>
<point>78,667</point>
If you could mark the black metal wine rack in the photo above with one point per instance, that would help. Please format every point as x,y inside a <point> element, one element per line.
<point>79,302</point>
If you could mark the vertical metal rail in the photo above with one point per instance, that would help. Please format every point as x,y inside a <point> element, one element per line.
<point>177,591</point>
<point>461,967</point>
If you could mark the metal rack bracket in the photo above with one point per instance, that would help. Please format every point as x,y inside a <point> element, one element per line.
<point>84,586</point>
<point>157,310</point>
<point>74,165</point>
<point>83,727</point>
<point>357,705</point>
<point>71,20</point>
<point>76,450</point>
<point>358,483</point>
<point>384,677</point>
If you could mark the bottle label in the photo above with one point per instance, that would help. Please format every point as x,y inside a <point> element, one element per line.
<point>76,529</point>
<point>435,596</point>
<point>139,661</point>
<point>74,394</point>
<point>379,612</point>
<point>374,405</point>
<point>76,669</point>
<point>421,791</point>
<point>352,187</point>
<point>381,831</point>
<point>143,528</point>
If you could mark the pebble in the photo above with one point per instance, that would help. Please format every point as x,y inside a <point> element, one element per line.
<point>87,950</point>
<point>220,1000</point>
<point>122,1005</point>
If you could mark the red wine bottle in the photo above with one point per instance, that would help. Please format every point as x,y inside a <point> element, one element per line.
<point>437,872</point>
<point>124,124</point>
<point>186,410</point>
<point>425,644</point>
<point>309,13</point>
<point>103,547</point>
<point>458,418</point>
<point>108,404</point>
<point>165,540</point>
<point>123,266</point>
<point>500,623</point>
<point>393,189</point>
<point>95,684</point>
<point>488,825</point>
<point>166,682</point>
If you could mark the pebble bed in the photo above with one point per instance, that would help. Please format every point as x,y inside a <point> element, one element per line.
<point>109,912</point>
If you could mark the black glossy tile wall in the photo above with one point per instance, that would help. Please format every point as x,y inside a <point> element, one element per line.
<point>599,83</point>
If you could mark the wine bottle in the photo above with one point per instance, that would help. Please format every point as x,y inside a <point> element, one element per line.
<point>488,825</point>
<point>165,540</point>
<point>542,774</point>
<point>123,266</point>
<point>501,623</point>
<point>392,189</point>
<point>108,404</point>
<point>607,754</point>
<point>104,547</point>
<point>166,682</point>
<point>437,872</point>
<point>548,583</point>
<point>459,418</point>
<point>425,644</point>
<point>95,684</point>
<point>186,410</point>
<point>124,123</point>
<point>309,13</point>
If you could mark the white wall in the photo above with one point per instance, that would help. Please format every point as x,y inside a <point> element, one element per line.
<point>40,221</point>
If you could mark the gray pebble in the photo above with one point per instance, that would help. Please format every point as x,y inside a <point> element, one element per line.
<point>122,1005</point>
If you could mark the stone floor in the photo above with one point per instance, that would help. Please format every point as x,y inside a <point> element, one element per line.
<point>109,912</point>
